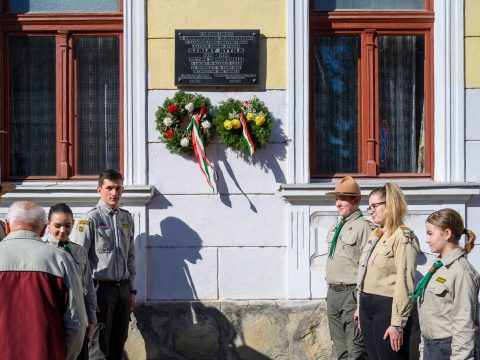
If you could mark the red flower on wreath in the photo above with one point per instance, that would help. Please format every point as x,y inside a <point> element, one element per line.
<point>204,110</point>
<point>172,108</point>
<point>169,134</point>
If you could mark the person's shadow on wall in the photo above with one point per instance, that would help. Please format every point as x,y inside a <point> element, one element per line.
<point>175,324</point>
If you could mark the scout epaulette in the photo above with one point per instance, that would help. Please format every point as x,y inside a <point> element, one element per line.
<point>370,224</point>
<point>409,236</point>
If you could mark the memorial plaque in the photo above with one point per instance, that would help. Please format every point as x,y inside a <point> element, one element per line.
<point>216,57</point>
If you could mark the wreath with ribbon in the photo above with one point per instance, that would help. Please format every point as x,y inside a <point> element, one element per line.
<point>174,121</point>
<point>243,126</point>
<point>185,126</point>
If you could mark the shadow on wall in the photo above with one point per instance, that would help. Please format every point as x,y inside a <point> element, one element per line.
<point>177,328</point>
<point>266,159</point>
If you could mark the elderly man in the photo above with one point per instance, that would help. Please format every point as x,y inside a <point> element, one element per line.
<point>42,310</point>
<point>4,188</point>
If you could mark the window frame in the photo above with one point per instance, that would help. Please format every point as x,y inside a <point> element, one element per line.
<point>65,27</point>
<point>370,25</point>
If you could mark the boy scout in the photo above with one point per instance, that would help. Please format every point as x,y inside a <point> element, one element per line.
<point>106,232</point>
<point>4,188</point>
<point>345,242</point>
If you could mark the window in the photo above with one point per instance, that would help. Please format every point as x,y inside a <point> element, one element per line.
<point>371,92</point>
<point>62,89</point>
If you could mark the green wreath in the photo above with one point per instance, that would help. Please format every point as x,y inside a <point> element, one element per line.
<point>174,117</point>
<point>228,124</point>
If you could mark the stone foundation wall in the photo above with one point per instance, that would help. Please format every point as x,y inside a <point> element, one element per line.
<point>293,330</point>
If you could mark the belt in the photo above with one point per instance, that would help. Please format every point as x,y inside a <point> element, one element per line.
<point>342,287</point>
<point>111,283</point>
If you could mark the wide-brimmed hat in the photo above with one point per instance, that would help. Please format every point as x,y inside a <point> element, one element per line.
<point>347,186</point>
<point>6,187</point>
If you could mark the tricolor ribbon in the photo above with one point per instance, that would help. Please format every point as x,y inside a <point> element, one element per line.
<point>246,136</point>
<point>199,148</point>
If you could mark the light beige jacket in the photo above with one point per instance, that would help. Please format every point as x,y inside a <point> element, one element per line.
<point>449,306</point>
<point>391,271</point>
<point>343,266</point>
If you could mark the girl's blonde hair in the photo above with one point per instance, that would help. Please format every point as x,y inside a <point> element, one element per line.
<point>395,205</point>
<point>450,219</point>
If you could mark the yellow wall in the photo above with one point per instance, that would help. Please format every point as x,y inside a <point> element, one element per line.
<point>472,43</point>
<point>164,16</point>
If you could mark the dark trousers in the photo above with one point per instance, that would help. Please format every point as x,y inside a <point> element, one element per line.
<point>375,318</point>
<point>114,306</point>
<point>439,349</point>
<point>84,353</point>
<point>344,332</point>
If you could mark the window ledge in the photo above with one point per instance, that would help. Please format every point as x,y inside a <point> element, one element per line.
<point>413,190</point>
<point>77,194</point>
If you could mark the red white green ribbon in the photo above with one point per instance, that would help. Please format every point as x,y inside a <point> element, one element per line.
<point>246,136</point>
<point>199,149</point>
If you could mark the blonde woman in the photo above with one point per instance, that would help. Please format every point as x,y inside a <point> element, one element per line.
<point>448,294</point>
<point>386,277</point>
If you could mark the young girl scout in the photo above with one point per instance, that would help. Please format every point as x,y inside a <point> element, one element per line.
<point>448,294</point>
<point>60,224</point>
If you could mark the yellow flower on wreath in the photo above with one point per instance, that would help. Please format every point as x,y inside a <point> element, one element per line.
<point>236,124</point>
<point>260,120</point>
<point>250,116</point>
<point>227,124</point>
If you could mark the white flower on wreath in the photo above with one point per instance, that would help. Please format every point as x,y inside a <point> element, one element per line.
<point>190,107</point>
<point>167,121</point>
<point>184,142</point>
<point>206,125</point>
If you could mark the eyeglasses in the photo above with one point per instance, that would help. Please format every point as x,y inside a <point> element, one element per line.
<point>374,206</point>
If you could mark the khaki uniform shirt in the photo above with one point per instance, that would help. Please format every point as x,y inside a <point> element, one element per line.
<point>107,235</point>
<point>3,230</point>
<point>81,259</point>
<point>391,271</point>
<point>449,306</point>
<point>343,266</point>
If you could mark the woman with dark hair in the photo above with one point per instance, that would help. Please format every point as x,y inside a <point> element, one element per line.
<point>60,225</point>
<point>386,277</point>
<point>448,294</point>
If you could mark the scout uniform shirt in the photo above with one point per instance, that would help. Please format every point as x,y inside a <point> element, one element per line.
<point>449,306</point>
<point>342,267</point>
<point>391,270</point>
<point>107,235</point>
<point>80,257</point>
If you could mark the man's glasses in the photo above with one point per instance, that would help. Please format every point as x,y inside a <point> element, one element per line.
<point>374,206</point>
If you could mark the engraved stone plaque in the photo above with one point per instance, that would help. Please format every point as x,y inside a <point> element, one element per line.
<point>216,57</point>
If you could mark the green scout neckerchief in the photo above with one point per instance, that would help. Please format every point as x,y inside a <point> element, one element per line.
<point>63,244</point>
<point>335,236</point>
<point>342,222</point>
<point>421,286</point>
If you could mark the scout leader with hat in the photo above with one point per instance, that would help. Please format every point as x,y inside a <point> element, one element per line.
<point>448,294</point>
<point>346,240</point>
<point>386,277</point>
<point>4,188</point>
